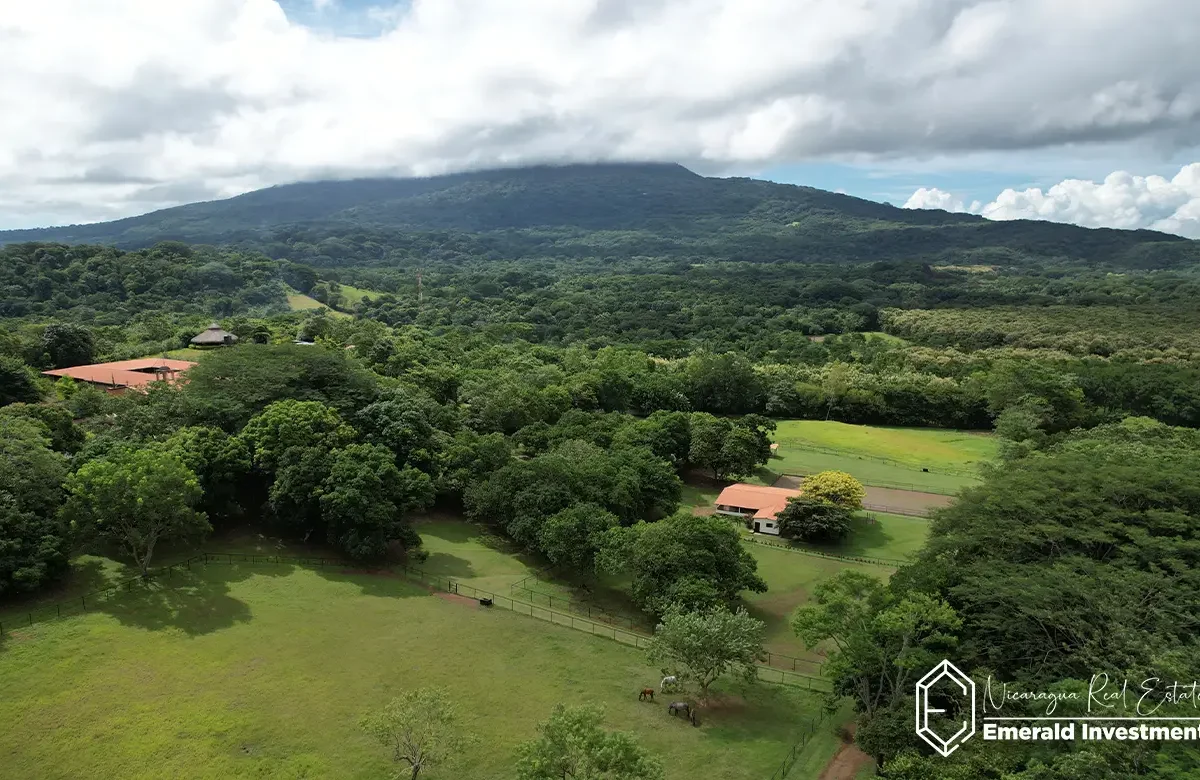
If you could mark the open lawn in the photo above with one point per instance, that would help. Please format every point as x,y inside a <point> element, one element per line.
<point>263,671</point>
<point>790,578</point>
<point>887,457</point>
<point>352,295</point>
<point>915,447</point>
<point>881,535</point>
<point>299,302</point>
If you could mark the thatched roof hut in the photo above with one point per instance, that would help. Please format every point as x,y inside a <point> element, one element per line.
<point>214,336</point>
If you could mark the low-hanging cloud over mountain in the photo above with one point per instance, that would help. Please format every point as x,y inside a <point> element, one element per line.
<point>1122,200</point>
<point>114,108</point>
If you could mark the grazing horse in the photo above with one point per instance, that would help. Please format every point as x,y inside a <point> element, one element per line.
<point>670,680</point>
<point>676,707</point>
<point>647,693</point>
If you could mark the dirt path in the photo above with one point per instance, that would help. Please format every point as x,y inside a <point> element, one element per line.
<point>881,499</point>
<point>848,761</point>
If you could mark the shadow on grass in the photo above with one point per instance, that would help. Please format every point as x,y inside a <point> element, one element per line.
<point>195,601</point>
<point>865,538</point>
<point>447,565</point>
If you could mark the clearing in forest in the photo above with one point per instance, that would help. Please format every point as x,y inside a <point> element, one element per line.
<point>263,671</point>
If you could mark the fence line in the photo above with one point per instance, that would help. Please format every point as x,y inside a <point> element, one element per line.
<point>944,470</point>
<point>884,483</point>
<point>593,611</point>
<point>889,562</point>
<point>778,668</point>
<point>797,747</point>
<point>80,605</point>
<point>897,510</point>
<point>775,660</point>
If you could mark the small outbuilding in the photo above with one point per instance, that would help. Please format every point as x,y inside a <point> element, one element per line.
<point>214,336</point>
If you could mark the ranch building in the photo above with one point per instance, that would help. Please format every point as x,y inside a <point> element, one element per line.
<point>756,504</point>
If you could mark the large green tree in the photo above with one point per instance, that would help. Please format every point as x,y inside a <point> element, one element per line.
<point>421,728</point>
<point>700,647</point>
<point>33,541</point>
<point>691,562</point>
<point>572,538</point>
<point>67,344</point>
<point>882,642</point>
<point>365,498</point>
<point>574,745</point>
<point>136,497</point>
<point>17,382</point>
<point>813,520</point>
<point>233,384</point>
<point>289,424</point>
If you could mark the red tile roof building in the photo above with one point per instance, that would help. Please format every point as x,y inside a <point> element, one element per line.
<point>757,503</point>
<point>122,374</point>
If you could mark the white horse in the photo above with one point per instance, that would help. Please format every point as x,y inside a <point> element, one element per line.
<point>670,680</point>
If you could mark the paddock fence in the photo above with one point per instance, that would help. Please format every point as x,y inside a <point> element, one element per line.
<point>89,602</point>
<point>944,470</point>
<point>886,483</point>
<point>776,667</point>
<point>806,734</point>
<point>889,562</point>
<point>527,589</point>
<point>896,510</point>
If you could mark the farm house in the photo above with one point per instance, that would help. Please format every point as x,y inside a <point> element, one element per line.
<point>757,504</point>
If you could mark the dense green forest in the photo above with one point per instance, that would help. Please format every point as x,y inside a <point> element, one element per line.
<point>554,351</point>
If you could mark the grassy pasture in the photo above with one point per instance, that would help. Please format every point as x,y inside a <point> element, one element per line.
<point>915,447</point>
<point>299,302</point>
<point>352,295</point>
<point>262,671</point>
<point>879,455</point>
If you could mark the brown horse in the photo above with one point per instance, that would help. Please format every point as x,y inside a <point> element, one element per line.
<point>647,693</point>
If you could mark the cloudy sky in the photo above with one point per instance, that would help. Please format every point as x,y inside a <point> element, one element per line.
<point>1085,111</point>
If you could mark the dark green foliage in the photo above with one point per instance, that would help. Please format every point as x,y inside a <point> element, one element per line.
<point>729,449</point>
<point>1083,534</point>
<point>810,520</point>
<point>222,465</point>
<point>44,280</point>
<point>691,562</point>
<point>364,500</point>
<point>33,548</point>
<point>32,472</point>
<point>33,541</point>
<point>233,384</point>
<point>65,435</point>
<point>572,538</point>
<point>17,382</point>
<point>66,345</point>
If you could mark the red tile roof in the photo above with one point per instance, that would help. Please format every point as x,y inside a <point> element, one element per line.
<point>125,373</point>
<point>766,501</point>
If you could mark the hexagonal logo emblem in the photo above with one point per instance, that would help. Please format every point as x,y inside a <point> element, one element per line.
<point>944,697</point>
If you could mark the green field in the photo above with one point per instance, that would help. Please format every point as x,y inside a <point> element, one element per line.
<point>889,457</point>
<point>881,535</point>
<point>352,295</point>
<point>790,578</point>
<point>262,671</point>
<point>299,302</point>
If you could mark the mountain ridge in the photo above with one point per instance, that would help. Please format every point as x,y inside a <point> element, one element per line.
<point>663,200</point>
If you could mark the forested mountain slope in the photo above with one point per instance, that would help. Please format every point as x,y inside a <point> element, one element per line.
<point>617,210</point>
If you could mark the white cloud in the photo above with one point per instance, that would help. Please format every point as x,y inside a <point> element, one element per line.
<point>109,109</point>
<point>933,198</point>
<point>1122,200</point>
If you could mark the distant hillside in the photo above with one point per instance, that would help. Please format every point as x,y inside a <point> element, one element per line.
<point>667,209</point>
